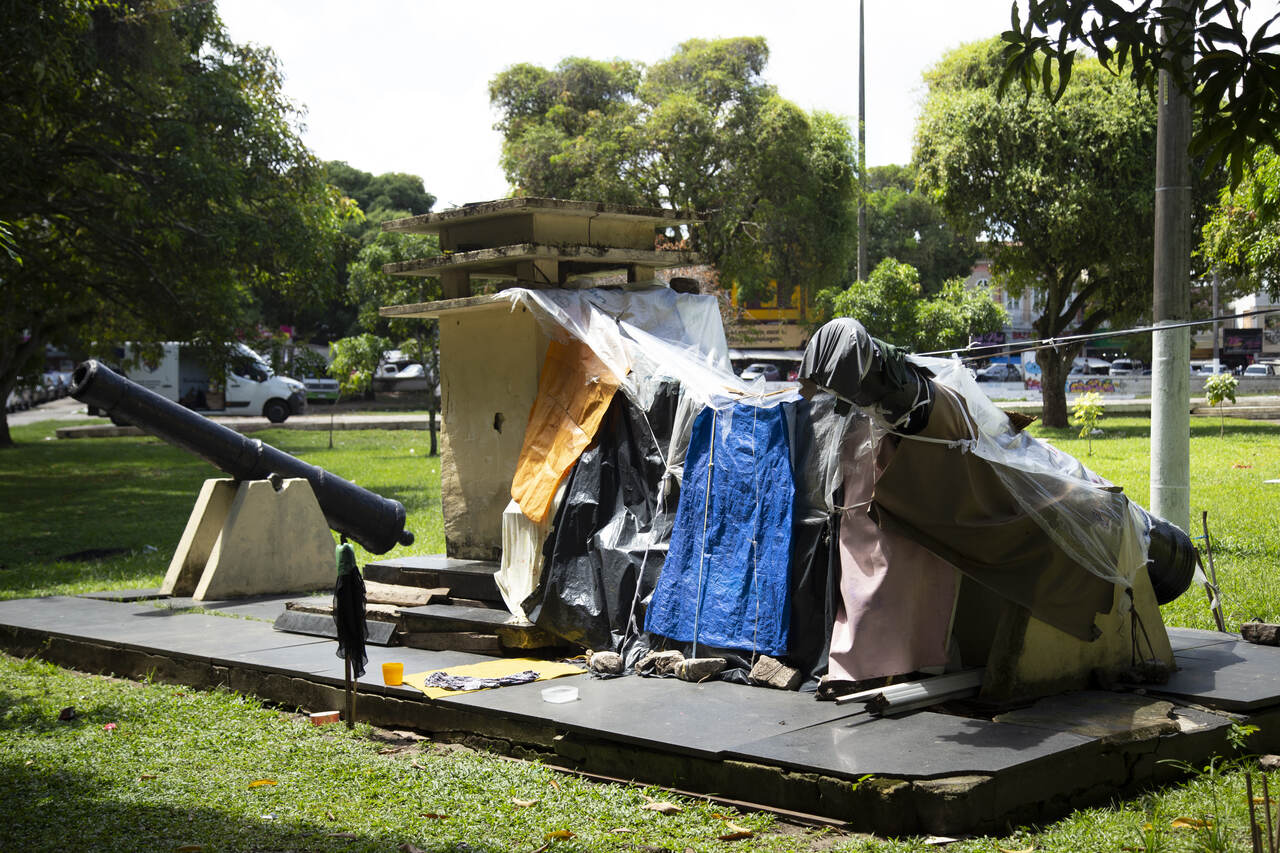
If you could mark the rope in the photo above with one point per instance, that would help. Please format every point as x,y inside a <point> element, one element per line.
<point>1055,343</point>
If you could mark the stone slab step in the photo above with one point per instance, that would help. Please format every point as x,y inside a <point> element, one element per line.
<point>463,578</point>
<point>453,641</point>
<point>402,596</point>
<point>323,606</point>
<point>445,618</point>
<point>321,625</point>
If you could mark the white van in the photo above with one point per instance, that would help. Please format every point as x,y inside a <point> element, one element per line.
<point>251,386</point>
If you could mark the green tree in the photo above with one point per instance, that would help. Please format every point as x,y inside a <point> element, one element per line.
<point>155,184</point>
<point>1242,235</point>
<point>1218,389</point>
<point>390,195</point>
<point>903,223</point>
<point>956,315</point>
<point>1086,413</point>
<point>891,304</point>
<point>1062,191</point>
<point>700,130</point>
<point>355,362</point>
<point>1231,75</point>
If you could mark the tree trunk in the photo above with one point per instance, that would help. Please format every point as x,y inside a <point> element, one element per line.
<point>1054,367</point>
<point>6,440</point>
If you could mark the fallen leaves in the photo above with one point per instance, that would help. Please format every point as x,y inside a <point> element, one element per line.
<point>559,835</point>
<point>524,804</point>
<point>661,807</point>
<point>735,832</point>
<point>1190,823</point>
<point>262,783</point>
<point>147,776</point>
<point>67,714</point>
<point>433,815</point>
<point>409,847</point>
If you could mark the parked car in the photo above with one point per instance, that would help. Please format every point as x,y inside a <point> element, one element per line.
<point>1002,372</point>
<point>768,372</point>
<point>1260,370</point>
<point>1090,367</point>
<point>1209,368</point>
<point>321,388</point>
<point>1126,367</point>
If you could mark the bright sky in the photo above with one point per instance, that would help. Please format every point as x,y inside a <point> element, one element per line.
<point>402,85</point>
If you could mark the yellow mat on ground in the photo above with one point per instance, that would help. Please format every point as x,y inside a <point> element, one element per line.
<point>495,668</point>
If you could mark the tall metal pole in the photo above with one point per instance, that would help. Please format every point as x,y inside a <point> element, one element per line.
<point>1171,348</point>
<point>1216,362</point>
<point>862,143</point>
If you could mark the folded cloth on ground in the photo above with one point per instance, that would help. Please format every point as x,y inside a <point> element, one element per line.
<point>471,682</point>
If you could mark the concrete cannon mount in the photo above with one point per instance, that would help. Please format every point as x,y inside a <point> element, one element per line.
<point>943,770</point>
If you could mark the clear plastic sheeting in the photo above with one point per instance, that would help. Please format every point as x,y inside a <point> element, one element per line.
<point>648,335</point>
<point>816,431</point>
<point>1083,514</point>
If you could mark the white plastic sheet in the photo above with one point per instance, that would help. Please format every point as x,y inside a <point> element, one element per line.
<point>1107,536</point>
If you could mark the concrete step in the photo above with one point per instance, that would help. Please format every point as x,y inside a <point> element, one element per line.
<point>460,619</point>
<point>462,578</point>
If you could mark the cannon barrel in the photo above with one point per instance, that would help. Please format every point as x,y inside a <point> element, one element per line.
<point>375,522</point>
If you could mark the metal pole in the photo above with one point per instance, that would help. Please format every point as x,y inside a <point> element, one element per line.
<point>862,143</point>
<point>1216,337</point>
<point>1171,348</point>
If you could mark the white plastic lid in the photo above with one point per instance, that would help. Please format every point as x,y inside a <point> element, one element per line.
<point>559,694</point>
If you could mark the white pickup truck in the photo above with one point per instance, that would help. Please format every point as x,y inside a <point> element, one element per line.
<point>252,388</point>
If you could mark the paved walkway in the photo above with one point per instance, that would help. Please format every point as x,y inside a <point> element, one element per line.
<point>316,418</point>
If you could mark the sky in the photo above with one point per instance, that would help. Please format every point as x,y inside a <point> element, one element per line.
<point>402,85</point>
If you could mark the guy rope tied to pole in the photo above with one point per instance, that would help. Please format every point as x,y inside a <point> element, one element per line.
<point>349,619</point>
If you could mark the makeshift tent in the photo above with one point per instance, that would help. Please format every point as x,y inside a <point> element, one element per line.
<point>706,513</point>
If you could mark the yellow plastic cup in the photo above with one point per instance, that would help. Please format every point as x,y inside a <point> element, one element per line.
<point>392,674</point>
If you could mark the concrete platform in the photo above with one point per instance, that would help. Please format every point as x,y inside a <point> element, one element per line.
<point>937,771</point>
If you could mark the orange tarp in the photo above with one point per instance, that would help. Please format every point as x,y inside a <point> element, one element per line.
<point>574,391</point>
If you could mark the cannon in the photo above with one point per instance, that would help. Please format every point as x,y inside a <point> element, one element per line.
<point>377,523</point>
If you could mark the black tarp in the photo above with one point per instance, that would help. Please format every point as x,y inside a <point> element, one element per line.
<point>609,539</point>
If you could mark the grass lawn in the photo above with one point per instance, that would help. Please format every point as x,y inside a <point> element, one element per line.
<point>177,770</point>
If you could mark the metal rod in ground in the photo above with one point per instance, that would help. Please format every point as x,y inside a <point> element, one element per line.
<point>1255,840</point>
<point>1266,810</point>
<point>1213,574</point>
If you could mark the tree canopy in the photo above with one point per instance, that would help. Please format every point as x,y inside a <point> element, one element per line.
<point>1062,190</point>
<point>156,185</point>
<point>892,305</point>
<point>1231,75</point>
<point>1242,235</point>
<point>700,130</point>
<point>903,223</point>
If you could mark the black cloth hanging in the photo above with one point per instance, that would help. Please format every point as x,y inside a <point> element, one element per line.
<point>349,610</point>
<point>609,539</point>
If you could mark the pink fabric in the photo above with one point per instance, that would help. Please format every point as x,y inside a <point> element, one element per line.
<point>896,598</point>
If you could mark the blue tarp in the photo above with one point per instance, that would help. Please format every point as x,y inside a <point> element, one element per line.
<point>725,579</point>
